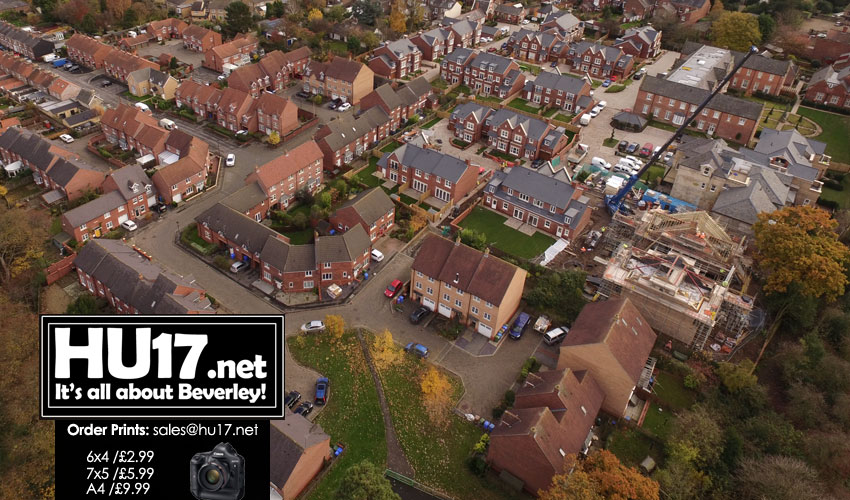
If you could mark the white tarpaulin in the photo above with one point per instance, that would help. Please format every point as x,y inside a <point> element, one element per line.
<point>556,248</point>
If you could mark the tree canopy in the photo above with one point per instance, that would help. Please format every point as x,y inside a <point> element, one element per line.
<point>398,19</point>
<point>559,292</point>
<point>736,31</point>
<point>238,18</point>
<point>366,11</point>
<point>21,241</point>
<point>600,477</point>
<point>365,481</point>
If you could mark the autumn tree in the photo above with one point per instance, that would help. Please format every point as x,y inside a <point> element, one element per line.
<point>736,31</point>
<point>314,15</point>
<point>370,40</point>
<point>398,19</point>
<point>385,352</point>
<point>437,392</point>
<point>117,8</point>
<point>22,236</point>
<point>334,325</point>
<point>274,138</point>
<point>365,481</point>
<point>417,16</point>
<point>473,238</point>
<point>717,10</point>
<point>600,477</point>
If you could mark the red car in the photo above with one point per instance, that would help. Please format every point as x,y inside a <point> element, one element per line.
<point>393,289</point>
<point>646,150</point>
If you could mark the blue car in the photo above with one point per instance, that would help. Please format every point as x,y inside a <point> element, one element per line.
<point>607,82</point>
<point>322,390</point>
<point>417,349</point>
<point>519,325</point>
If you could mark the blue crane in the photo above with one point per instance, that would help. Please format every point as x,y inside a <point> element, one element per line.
<point>615,202</point>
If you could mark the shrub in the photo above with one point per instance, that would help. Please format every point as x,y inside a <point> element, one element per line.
<point>510,398</point>
<point>832,184</point>
<point>498,411</point>
<point>830,204</point>
<point>222,262</point>
<point>477,465</point>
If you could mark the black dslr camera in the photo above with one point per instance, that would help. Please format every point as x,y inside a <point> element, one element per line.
<point>218,474</point>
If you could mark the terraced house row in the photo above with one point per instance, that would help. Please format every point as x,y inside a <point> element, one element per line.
<point>30,74</point>
<point>91,53</point>
<point>484,73</point>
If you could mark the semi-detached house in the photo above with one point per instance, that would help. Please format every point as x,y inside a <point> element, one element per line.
<point>536,46</point>
<point>643,42</point>
<point>484,73</point>
<point>272,72</point>
<point>345,139</point>
<point>468,121</point>
<point>399,103</point>
<point>560,91</point>
<point>372,209</point>
<point>599,61</point>
<point>341,79</point>
<point>200,39</point>
<point>457,281</point>
<point>234,53</point>
<point>396,59</point>
<point>429,172</point>
<point>187,162</point>
<point>435,43</point>
<point>525,137</point>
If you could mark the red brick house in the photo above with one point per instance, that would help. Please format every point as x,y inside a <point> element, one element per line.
<point>594,5</point>
<point>294,170</point>
<point>201,99</point>
<point>132,128</point>
<point>687,12</point>
<point>600,61</point>
<point>235,111</point>
<point>511,13</point>
<point>643,42</point>
<point>399,104</point>
<point>560,91</point>
<point>830,87</point>
<point>467,33</point>
<point>525,137</point>
<point>186,176</point>
<point>451,69</point>
<point>637,10</point>
<point>200,39</point>
<point>725,116</point>
<point>759,74</point>
<point>298,450</point>
<point>536,46</point>
<point>830,49</point>
<point>372,209</point>
<point>467,121</point>
<point>167,28</point>
<point>272,72</point>
<point>546,202</point>
<point>87,51</point>
<point>236,52</point>
<point>135,187</point>
<point>568,26</point>
<point>435,43</point>
<point>95,218</point>
<point>276,114</point>
<point>429,172</point>
<point>396,59</point>
<point>118,64</point>
<point>347,138</point>
<point>133,284</point>
<point>483,72</point>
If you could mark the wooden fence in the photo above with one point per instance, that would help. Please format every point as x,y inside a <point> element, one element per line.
<point>60,269</point>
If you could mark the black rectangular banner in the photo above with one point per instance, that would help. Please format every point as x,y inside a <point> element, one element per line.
<point>188,366</point>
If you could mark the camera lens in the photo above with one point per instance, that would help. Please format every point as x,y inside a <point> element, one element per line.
<point>212,477</point>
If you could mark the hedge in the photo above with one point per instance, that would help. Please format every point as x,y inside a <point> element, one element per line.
<point>826,107</point>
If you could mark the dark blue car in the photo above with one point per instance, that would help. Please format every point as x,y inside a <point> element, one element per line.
<point>519,325</point>
<point>322,389</point>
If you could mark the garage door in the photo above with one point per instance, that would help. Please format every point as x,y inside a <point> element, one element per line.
<point>445,310</point>
<point>177,198</point>
<point>429,303</point>
<point>485,330</point>
<point>123,218</point>
<point>152,199</point>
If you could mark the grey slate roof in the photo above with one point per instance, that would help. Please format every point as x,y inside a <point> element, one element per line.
<point>479,111</point>
<point>402,47</point>
<point>565,20</point>
<point>347,129</point>
<point>371,204</point>
<point>64,170</point>
<point>692,95</point>
<point>389,96</point>
<point>633,119</point>
<point>761,195</point>
<point>79,118</point>
<point>245,198</point>
<point>288,440</point>
<point>534,128</point>
<point>538,186</point>
<point>236,227</point>
<point>789,142</point>
<point>831,76</point>
<point>462,28</point>
<point>491,62</point>
<point>129,176</point>
<point>95,208</point>
<point>565,83</point>
<point>301,258</point>
<point>344,247</point>
<point>460,55</point>
<point>428,161</point>
<point>416,88</point>
<point>436,34</point>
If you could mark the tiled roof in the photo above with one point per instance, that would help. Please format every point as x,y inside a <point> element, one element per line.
<point>347,129</point>
<point>245,198</point>
<point>128,177</point>
<point>692,95</point>
<point>345,247</point>
<point>94,208</point>
<point>565,83</point>
<point>236,227</point>
<point>428,161</point>
<point>371,204</point>
<point>478,111</point>
<point>286,164</point>
<point>288,441</point>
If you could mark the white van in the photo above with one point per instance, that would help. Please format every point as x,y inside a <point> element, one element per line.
<point>167,124</point>
<point>49,57</point>
<point>555,335</point>
<point>600,162</point>
<point>585,119</point>
<point>142,106</point>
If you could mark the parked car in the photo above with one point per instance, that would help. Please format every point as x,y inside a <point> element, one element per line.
<point>607,82</point>
<point>322,390</point>
<point>230,160</point>
<point>159,208</point>
<point>393,289</point>
<point>595,111</point>
<point>600,162</point>
<point>241,132</point>
<point>377,256</point>
<point>67,139</point>
<point>419,314</point>
<point>142,106</point>
<point>519,325</point>
<point>238,266</point>
<point>417,349</point>
<point>602,104</point>
<point>555,335</point>
<point>292,399</point>
<point>221,77</point>
<point>505,45</point>
<point>525,21</point>
<point>492,49</point>
<point>622,146</point>
<point>646,150</point>
<point>637,76</point>
<point>633,147</point>
<point>129,225</point>
<point>344,107</point>
<point>302,94</point>
<point>106,83</point>
<point>304,409</point>
<point>668,157</point>
<point>313,326</point>
<point>335,103</point>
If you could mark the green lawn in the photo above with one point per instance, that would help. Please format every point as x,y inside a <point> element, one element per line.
<point>652,172</point>
<point>431,123</point>
<point>389,148</point>
<point>338,47</point>
<point>564,118</point>
<point>439,83</point>
<point>550,112</point>
<point>672,392</point>
<point>488,100</point>
<point>610,143</point>
<point>189,236</point>
<point>407,200</point>
<point>504,156</point>
<point>504,238</point>
<point>836,130</point>
<point>463,89</point>
<point>365,176</point>
<point>840,197</point>
<point>631,447</point>
<point>658,422</point>
<point>353,414</point>
<point>299,237</point>
<point>613,89</point>
<point>437,452</point>
<point>459,143</point>
<point>531,68</point>
<point>522,104</point>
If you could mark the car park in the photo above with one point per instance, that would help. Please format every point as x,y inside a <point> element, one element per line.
<point>393,289</point>
<point>600,162</point>
<point>377,256</point>
<point>344,107</point>
<point>238,266</point>
<point>129,225</point>
<point>519,325</point>
<point>636,162</point>
<point>419,314</point>
<point>304,409</point>
<point>417,349</point>
<point>67,139</point>
<point>230,160</point>
<point>607,82</point>
<point>292,399</point>
<point>313,326</point>
<point>322,390</point>
<point>555,335</point>
<point>646,150</point>
<point>624,167</point>
<point>621,147</point>
<point>632,148</point>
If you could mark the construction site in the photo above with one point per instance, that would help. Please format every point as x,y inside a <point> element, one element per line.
<point>685,274</point>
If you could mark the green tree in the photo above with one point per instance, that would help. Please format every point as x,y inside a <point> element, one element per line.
<point>767,25</point>
<point>737,377</point>
<point>88,24</point>
<point>324,199</point>
<point>353,44</point>
<point>275,10</point>
<point>366,12</point>
<point>473,238</point>
<point>365,481</point>
<point>336,14</point>
<point>697,436</point>
<point>370,40</point>
<point>238,18</point>
<point>736,31</point>
<point>173,63</point>
<point>559,293</point>
<point>300,220</point>
<point>130,19</point>
<point>83,304</point>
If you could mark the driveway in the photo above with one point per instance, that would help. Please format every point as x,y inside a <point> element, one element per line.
<point>173,48</point>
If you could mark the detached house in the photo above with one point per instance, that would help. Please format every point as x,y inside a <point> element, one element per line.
<point>148,81</point>
<point>232,54</point>
<point>525,137</point>
<point>429,172</point>
<point>599,61</point>
<point>340,79</point>
<point>560,91</point>
<point>396,59</point>
<point>200,39</point>
<point>688,12</point>
<point>830,86</point>
<point>188,174</point>
<point>550,204</point>
<point>568,26</point>
<point>457,281</point>
<point>467,33</point>
<point>643,42</point>
<point>276,114</point>
<point>297,169</point>
<point>435,43</point>
<point>468,121</point>
<point>271,73</point>
<point>372,209</point>
<point>536,46</point>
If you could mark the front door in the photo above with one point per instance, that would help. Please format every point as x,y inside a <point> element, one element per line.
<point>559,232</point>
<point>711,127</point>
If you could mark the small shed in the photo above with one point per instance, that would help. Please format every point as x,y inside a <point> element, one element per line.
<point>647,465</point>
<point>631,122</point>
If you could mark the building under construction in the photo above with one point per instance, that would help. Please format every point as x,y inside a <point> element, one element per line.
<point>682,271</point>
